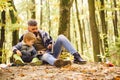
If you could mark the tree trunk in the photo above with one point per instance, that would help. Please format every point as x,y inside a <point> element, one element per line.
<point>80,28</point>
<point>104,28</point>
<point>41,14</point>
<point>15,33</point>
<point>64,24</point>
<point>2,37</point>
<point>48,11</point>
<point>94,31</point>
<point>73,30</point>
<point>115,20</point>
<point>33,13</point>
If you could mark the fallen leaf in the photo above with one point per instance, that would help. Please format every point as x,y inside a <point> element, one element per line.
<point>117,78</point>
<point>21,75</point>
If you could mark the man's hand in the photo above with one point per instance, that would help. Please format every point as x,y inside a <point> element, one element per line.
<point>19,53</point>
<point>49,46</point>
<point>41,52</point>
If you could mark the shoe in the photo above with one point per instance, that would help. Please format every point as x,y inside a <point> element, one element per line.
<point>19,63</point>
<point>62,63</point>
<point>37,63</point>
<point>78,59</point>
<point>44,62</point>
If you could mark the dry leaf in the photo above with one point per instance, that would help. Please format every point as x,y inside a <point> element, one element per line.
<point>117,78</point>
<point>69,68</point>
<point>21,74</point>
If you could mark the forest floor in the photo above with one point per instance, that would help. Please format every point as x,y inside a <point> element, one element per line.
<point>89,71</point>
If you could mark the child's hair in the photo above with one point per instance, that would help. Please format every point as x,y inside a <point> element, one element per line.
<point>29,36</point>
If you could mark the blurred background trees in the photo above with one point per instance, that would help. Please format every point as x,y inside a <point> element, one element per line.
<point>92,26</point>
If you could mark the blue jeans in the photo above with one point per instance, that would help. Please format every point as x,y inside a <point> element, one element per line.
<point>48,58</point>
<point>61,41</point>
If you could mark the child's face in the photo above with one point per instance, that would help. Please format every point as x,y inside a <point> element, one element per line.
<point>30,42</point>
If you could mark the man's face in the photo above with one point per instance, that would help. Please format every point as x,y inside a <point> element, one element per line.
<point>33,29</point>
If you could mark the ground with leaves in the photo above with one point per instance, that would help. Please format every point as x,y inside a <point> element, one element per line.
<point>89,71</point>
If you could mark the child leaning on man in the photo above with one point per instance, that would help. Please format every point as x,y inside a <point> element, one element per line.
<point>24,52</point>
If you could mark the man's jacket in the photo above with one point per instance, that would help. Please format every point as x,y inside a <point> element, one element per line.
<point>46,39</point>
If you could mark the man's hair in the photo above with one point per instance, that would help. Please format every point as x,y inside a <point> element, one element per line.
<point>32,22</point>
<point>29,36</point>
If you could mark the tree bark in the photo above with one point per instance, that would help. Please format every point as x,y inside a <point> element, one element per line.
<point>49,20</point>
<point>2,39</point>
<point>115,20</point>
<point>104,28</point>
<point>94,30</point>
<point>64,24</point>
<point>15,33</point>
<point>41,18</point>
<point>80,28</point>
<point>33,13</point>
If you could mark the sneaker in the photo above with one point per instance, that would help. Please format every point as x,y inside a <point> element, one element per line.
<point>19,63</point>
<point>62,63</point>
<point>37,63</point>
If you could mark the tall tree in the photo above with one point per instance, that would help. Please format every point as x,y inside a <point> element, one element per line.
<point>15,33</point>
<point>73,28</point>
<point>48,11</point>
<point>115,20</point>
<point>32,10</point>
<point>94,30</point>
<point>79,24</point>
<point>64,24</point>
<point>2,37</point>
<point>104,27</point>
<point>41,14</point>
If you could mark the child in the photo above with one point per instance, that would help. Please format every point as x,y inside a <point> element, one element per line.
<point>25,52</point>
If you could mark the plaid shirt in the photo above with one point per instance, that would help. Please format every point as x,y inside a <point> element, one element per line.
<point>46,39</point>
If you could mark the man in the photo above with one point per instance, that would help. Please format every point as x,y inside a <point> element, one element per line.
<point>44,43</point>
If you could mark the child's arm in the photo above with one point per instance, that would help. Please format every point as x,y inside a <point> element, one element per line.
<point>18,53</point>
<point>16,49</point>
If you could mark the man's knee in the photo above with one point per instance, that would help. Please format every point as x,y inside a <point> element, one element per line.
<point>61,37</point>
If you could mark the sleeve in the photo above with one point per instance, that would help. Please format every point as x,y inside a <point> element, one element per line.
<point>48,39</point>
<point>17,47</point>
<point>34,52</point>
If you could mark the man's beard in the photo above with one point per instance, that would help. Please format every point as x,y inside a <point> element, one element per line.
<point>35,33</point>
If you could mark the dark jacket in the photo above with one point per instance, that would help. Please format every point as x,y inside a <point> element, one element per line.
<point>28,53</point>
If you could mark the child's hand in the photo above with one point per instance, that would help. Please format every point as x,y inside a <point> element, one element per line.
<point>19,53</point>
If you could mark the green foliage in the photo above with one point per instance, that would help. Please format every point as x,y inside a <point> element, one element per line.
<point>16,26</point>
<point>6,54</point>
<point>2,4</point>
<point>115,52</point>
<point>116,47</point>
<point>104,56</point>
<point>66,55</point>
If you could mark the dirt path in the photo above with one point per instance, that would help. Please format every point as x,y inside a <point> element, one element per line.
<point>89,71</point>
